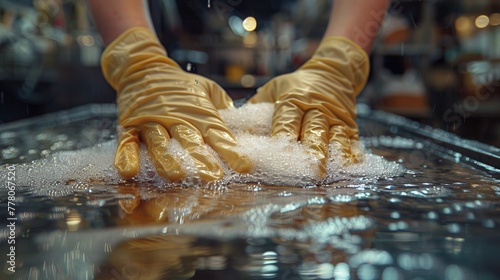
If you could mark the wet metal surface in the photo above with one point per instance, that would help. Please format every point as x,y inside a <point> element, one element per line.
<point>439,220</point>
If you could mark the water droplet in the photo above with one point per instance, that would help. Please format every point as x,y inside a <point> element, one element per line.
<point>457,207</point>
<point>453,228</point>
<point>391,273</point>
<point>393,226</point>
<point>285,193</point>
<point>402,225</point>
<point>489,223</point>
<point>341,271</point>
<point>10,152</point>
<point>432,215</point>
<point>469,204</point>
<point>367,272</point>
<point>426,261</point>
<point>394,200</point>
<point>325,271</point>
<point>405,261</point>
<point>454,272</point>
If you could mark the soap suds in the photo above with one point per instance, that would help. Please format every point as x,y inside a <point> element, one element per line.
<point>277,161</point>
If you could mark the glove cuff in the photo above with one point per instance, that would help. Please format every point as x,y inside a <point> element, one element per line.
<point>130,52</point>
<point>346,56</point>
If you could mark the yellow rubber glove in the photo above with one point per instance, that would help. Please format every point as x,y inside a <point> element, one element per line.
<point>316,104</point>
<point>158,101</point>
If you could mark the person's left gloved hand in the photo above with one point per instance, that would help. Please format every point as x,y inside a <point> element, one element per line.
<point>158,101</point>
<point>316,104</point>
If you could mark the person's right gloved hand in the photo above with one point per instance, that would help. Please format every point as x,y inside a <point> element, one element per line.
<point>158,101</point>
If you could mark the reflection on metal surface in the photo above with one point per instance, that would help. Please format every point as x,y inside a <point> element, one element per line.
<point>73,220</point>
<point>438,220</point>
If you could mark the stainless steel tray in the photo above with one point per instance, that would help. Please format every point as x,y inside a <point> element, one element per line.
<point>439,220</point>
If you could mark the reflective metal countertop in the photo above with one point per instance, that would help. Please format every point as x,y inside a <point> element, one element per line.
<point>440,219</point>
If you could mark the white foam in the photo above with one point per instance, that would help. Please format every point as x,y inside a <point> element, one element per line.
<point>277,161</point>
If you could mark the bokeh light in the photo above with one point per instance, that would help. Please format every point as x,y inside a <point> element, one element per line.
<point>249,24</point>
<point>482,21</point>
<point>495,19</point>
<point>463,25</point>
<point>248,81</point>
<point>250,40</point>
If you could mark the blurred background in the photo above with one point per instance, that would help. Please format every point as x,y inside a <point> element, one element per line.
<point>435,61</point>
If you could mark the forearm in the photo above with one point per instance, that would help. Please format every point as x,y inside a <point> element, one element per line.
<point>357,20</point>
<point>113,17</point>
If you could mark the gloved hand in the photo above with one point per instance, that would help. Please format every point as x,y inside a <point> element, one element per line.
<point>316,104</point>
<point>158,101</point>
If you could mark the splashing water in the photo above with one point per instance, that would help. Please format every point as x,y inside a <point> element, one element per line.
<point>277,161</point>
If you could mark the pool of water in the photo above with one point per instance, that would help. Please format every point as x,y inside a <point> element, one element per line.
<point>439,219</point>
